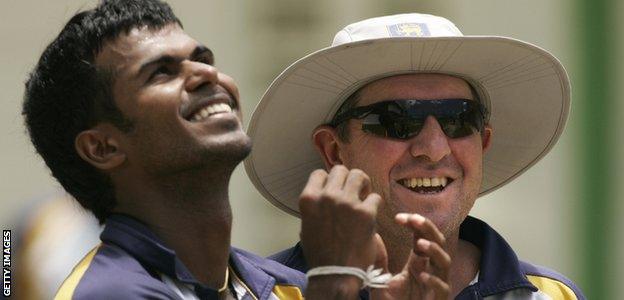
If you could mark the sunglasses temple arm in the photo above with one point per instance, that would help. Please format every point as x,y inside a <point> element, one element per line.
<point>354,113</point>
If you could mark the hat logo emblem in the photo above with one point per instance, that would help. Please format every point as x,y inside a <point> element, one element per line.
<point>409,29</point>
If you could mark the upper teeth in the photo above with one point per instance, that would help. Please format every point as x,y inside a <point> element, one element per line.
<point>418,182</point>
<point>211,110</point>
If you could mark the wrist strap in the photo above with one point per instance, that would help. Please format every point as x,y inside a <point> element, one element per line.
<point>370,278</point>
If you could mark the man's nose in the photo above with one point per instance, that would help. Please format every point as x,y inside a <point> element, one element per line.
<point>199,74</point>
<point>430,142</point>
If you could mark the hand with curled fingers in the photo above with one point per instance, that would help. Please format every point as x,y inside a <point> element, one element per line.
<point>338,215</point>
<point>425,275</point>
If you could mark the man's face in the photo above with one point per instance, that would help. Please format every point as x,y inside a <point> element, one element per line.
<point>185,113</point>
<point>428,156</point>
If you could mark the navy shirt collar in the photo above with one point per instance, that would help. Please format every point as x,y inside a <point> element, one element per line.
<point>138,240</point>
<point>499,268</point>
<point>258,281</point>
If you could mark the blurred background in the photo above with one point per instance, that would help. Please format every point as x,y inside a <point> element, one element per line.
<point>563,213</point>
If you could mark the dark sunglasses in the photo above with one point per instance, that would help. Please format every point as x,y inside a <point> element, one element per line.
<point>403,119</point>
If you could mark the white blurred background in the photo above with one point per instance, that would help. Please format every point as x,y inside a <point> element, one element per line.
<point>539,213</point>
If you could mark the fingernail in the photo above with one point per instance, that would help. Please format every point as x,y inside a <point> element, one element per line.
<point>422,243</point>
<point>424,276</point>
<point>401,217</point>
<point>417,218</point>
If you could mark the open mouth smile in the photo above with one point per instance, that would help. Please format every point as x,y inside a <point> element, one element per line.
<point>210,110</point>
<point>425,185</point>
<point>217,103</point>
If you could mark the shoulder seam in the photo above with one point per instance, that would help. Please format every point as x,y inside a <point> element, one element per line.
<point>562,286</point>
<point>69,285</point>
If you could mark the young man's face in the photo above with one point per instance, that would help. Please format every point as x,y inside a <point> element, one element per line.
<point>184,111</point>
<point>431,154</point>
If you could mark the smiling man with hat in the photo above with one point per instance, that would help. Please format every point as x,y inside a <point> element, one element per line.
<point>436,119</point>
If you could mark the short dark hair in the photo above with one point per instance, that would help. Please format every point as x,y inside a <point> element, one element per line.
<point>66,93</point>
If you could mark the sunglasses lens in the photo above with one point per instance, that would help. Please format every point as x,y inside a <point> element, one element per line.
<point>405,128</point>
<point>405,119</point>
<point>393,126</point>
<point>456,128</point>
<point>376,129</point>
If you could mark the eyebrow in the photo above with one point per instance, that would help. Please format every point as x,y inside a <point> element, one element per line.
<point>199,51</point>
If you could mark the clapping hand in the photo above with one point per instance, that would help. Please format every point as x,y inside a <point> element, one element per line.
<point>425,274</point>
<point>338,213</point>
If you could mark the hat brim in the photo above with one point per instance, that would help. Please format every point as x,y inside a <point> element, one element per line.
<point>525,88</point>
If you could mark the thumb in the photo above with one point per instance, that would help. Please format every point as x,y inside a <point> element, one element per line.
<point>381,255</point>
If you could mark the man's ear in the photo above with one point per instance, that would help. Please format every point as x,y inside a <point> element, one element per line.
<point>99,147</point>
<point>325,139</point>
<point>486,137</point>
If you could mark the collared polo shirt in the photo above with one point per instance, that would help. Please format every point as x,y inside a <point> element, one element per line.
<point>133,263</point>
<point>501,274</point>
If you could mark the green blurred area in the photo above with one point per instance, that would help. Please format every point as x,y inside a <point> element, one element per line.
<point>597,40</point>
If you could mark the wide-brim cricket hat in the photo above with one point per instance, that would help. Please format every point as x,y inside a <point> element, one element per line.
<point>525,89</point>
